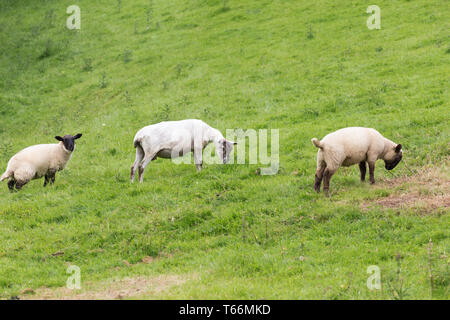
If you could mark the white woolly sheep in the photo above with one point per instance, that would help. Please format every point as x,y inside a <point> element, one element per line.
<point>171,139</point>
<point>349,146</point>
<point>42,160</point>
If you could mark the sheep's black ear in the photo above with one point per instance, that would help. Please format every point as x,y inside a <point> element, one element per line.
<point>229,142</point>
<point>77,136</point>
<point>398,148</point>
<point>59,138</point>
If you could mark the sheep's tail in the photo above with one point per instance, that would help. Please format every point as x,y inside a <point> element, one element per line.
<point>6,175</point>
<point>137,143</point>
<point>316,142</point>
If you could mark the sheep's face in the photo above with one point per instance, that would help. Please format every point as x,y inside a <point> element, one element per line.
<point>68,141</point>
<point>393,157</point>
<point>223,149</point>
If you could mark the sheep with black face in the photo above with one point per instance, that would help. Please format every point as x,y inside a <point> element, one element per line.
<point>349,146</point>
<point>42,160</point>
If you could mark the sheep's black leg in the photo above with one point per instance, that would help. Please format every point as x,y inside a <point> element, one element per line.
<point>141,174</point>
<point>319,175</point>
<point>372,172</point>
<point>363,169</point>
<point>139,156</point>
<point>53,178</point>
<point>132,173</point>
<point>147,158</point>
<point>317,182</point>
<point>318,178</point>
<point>46,181</point>
<point>326,180</point>
<point>11,184</point>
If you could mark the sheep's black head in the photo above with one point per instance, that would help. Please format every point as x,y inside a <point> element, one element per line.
<point>224,148</point>
<point>69,141</point>
<point>393,158</point>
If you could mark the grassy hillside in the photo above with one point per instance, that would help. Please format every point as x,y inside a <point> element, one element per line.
<point>304,68</point>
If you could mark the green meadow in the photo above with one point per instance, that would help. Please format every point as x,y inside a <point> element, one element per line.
<point>227,232</point>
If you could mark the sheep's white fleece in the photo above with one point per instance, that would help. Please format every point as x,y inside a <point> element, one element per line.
<point>349,146</point>
<point>36,161</point>
<point>172,138</point>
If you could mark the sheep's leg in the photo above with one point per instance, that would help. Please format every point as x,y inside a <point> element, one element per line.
<point>326,180</point>
<point>11,184</point>
<point>134,167</point>
<point>198,159</point>
<point>49,178</point>
<point>319,176</point>
<point>372,172</point>
<point>363,169</point>
<point>147,158</point>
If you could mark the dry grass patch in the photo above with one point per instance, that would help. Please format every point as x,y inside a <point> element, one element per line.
<point>427,190</point>
<point>113,289</point>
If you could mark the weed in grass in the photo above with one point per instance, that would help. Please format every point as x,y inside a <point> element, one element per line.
<point>127,56</point>
<point>164,113</point>
<point>438,274</point>
<point>48,49</point>
<point>310,113</point>
<point>149,19</point>
<point>128,99</point>
<point>49,17</point>
<point>310,33</point>
<point>396,284</point>
<point>430,266</point>
<point>178,69</point>
<point>87,64</point>
<point>35,31</point>
<point>244,229</point>
<point>225,6</point>
<point>103,82</point>
<point>149,14</point>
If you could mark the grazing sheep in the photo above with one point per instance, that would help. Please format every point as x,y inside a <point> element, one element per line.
<point>171,139</point>
<point>349,146</point>
<point>42,160</point>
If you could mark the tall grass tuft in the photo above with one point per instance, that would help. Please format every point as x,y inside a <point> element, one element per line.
<point>103,82</point>
<point>48,49</point>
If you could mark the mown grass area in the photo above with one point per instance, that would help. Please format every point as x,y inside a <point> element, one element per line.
<point>304,68</point>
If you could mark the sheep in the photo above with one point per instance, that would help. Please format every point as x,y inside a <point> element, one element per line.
<point>171,139</point>
<point>349,146</point>
<point>42,160</point>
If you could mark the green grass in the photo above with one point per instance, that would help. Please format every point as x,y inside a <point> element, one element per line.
<point>304,68</point>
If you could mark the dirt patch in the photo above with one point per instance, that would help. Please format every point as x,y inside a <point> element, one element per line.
<point>423,203</point>
<point>427,190</point>
<point>115,289</point>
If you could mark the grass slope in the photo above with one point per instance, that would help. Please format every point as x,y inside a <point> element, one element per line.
<point>306,68</point>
